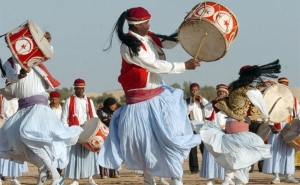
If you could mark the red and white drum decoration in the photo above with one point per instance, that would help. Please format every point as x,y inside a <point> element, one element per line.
<point>213,21</point>
<point>28,45</point>
<point>93,135</point>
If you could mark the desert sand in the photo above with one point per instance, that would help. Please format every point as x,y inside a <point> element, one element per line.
<point>128,177</point>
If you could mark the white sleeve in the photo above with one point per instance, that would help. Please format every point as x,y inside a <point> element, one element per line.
<point>11,73</point>
<point>93,109</point>
<point>204,101</point>
<point>257,99</point>
<point>150,63</point>
<point>65,112</point>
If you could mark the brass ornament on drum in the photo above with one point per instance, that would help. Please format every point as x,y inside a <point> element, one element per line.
<point>208,31</point>
<point>280,101</point>
<point>93,135</point>
<point>29,45</point>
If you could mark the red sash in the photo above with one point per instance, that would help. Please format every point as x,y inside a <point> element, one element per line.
<point>73,120</point>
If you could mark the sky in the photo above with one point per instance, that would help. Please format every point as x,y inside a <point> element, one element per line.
<point>268,30</point>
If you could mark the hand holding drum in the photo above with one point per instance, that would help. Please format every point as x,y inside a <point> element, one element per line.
<point>192,64</point>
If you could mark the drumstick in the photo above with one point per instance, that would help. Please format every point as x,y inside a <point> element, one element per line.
<point>274,105</point>
<point>198,51</point>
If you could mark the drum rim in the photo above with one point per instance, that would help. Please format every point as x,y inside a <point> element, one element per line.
<point>15,55</point>
<point>31,22</point>
<point>226,44</point>
<point>231,12</point>
<point>285,128</point>
<point>271,87</point>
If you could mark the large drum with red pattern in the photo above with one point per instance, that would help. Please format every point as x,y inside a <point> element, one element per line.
<point>211,25</point>
<point>93,135</point>
<point>28,45</point>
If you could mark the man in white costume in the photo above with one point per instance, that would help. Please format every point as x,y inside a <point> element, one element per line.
<point>34,133</point>
<point>195,106</point>
<point>210,169</point>
<point>152,131</point>
<point>76,111</point>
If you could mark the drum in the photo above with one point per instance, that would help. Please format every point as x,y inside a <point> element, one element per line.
<point>264,131</point>
<point>28,45</point>
<point>280,101</point>
<point>211,25</point>
<point>267,83</point>
<point>291,134</point>
<point>93,135</point>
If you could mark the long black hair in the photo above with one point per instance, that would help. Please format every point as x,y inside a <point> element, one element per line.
<point>132,42</point>
<point>254,73</point>
<point>3,73</point>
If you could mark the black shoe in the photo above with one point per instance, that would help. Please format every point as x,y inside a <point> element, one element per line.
<point>3,178</point>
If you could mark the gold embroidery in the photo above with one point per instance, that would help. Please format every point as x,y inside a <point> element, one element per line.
<point>239,106</point>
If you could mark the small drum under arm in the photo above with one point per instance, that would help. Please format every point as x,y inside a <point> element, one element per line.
<point>93,135</point>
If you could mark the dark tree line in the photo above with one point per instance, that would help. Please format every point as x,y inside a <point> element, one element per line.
<point>208,92</point>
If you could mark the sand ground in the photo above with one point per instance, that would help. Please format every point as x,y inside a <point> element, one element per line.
<point>128,177</point>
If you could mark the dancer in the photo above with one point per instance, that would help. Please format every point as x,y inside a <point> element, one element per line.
<point>237,149</point>
<point>34,133</point>
<point>151,132</point>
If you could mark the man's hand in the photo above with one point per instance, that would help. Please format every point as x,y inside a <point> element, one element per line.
<point>192,64</point>
<point>48,36</point>
<point>273,129</point>
<point>23,73</point>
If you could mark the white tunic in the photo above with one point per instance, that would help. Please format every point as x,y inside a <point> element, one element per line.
<point>19,88</point>
<point>9,107</point>
<point>148,59</point>
<point>81,110</point>
<point>195,107</point>
<point>57,111</point>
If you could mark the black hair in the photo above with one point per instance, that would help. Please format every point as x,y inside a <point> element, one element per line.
<point>132,42</point>
<point>3,73</point>
<point>254,73</point>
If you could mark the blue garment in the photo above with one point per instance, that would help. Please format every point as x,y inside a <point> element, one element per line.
<point>282,160</point>
<point>210,169</point>
<point>153,136</point>
<point>82,164</point>
<point>36,130</point>
<point>235,152</point>
<point>10,168</point>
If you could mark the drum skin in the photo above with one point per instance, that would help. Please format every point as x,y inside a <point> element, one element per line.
<point>279,97</point>
<point>28,45</point>
<point>214,21</point>
<point>93,135</point>
<point>291,134</point>
<point>264,131</point>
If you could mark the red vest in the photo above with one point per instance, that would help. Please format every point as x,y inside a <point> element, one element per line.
<point>133,76</point>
